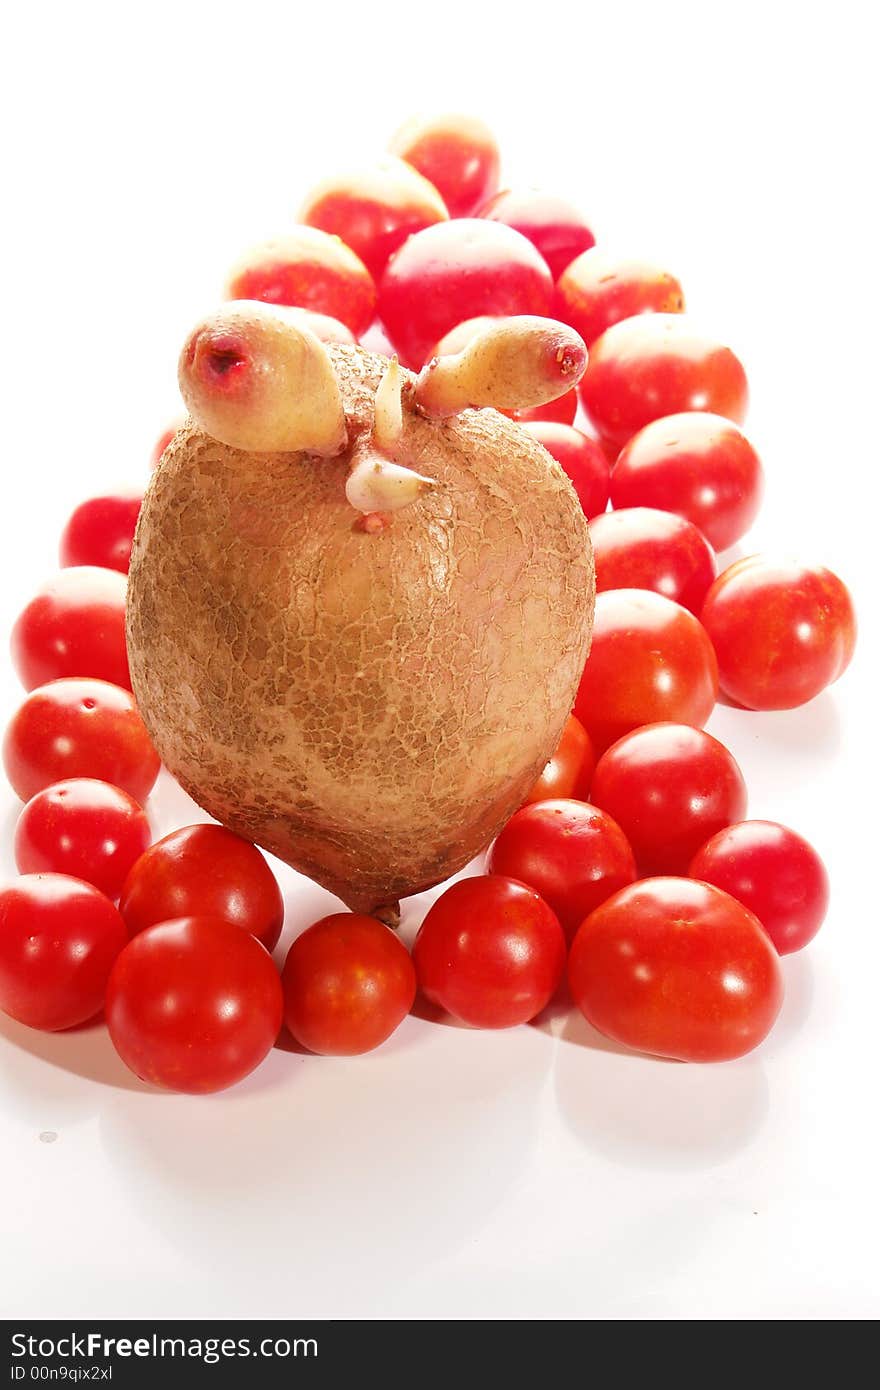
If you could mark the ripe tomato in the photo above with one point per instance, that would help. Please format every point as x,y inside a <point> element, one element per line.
<point>75,626</point>
<point>582,459</point>
<point>650,661</point>
<point>654,365</point>
<point>669,787</point>
<point>101,530</point>
<point>58,941</point>
<point>308,269</point>
<point>490,952</point>
<point>554,227</point>
<point>698,465</point>
<point>194,1005</point>
<point>598,290</point>
<point>640,548</point>
<point>569,772</point>
<point>204,871</point>
<point>84,828</point>
<point>678,969</point>
<point>79,728</point>
<point>348,983</point>
<point>773,872</point>
<point>457,154</point>
<point>574,855</point>
<point>782,631</point>
<point>559,412</point>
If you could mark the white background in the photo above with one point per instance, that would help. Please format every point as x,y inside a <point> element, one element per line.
<point>533,1173</point>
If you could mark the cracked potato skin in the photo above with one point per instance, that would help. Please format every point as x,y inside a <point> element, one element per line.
<point>369,708</point>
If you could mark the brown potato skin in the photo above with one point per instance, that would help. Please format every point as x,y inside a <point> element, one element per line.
<point>370,708</point>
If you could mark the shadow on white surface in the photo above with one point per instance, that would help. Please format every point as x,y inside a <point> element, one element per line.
<point>85,1051</point>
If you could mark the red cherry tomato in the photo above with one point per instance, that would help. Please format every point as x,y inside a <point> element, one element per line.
<point>574,855</point>
<point>79,728</point>
<point>194,1005</point>
<point>698,465</point>
<point>490,952</point>
<point>204,871</point>
<point>569,772</point>
<point>658,364</point>
<point>650,662</point>
<point>348,982</point>
<point>375,210</point>
<point>84,828</point>
<point>101,530</point>
<point>58,941</point>
<point>163,441</point>
<point>553,225</point>
<point>678,969</point>
<point>782,631</point>
<point>773,872</point>
<point>308,269</point>
<point>74,627</point>
<point>456,271</point>
<point>559,412</point>
<point>457,154</point>
<point>669,787</point>
<point>640,548</point>
<point>598,290</point>
<point>581,458</point>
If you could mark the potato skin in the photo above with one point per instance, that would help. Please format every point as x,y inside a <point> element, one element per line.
<point>370,708</point>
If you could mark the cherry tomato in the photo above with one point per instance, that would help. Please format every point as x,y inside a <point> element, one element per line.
<point>101,530</point>
<point>641,548</point>
<point>74,627</point>
<point>678,969</point>
<point>375,210</point>
<point>574,855</point>
<point>79,728</point>
<point>456,271</point>
<point>658,364</point>
<point>598,290</point>
<point>554,227</point>
<point>308,269</point>
<point>559,412</point>
<point>698,465</point>
<point>457,154</point>
<point>773,872</point>
<point>84,828</point>
<point>650,661</point>
<point>490,952</point>
<point>348,982</point>
<point>163,441</point>
<point>581,458</point>
<point>204,871</point>
<point>669,787</point>
<point>58,941</point>
<point>568,773</point>
<point>782,631</point>
<point>194,1005</point>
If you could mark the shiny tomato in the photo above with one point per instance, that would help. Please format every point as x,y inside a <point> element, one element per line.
<point>678,969</point>
<point>79,728</point>
<point>101,530</point>
<point>204,871</point>
<point>574,855</point>
<point>641,548</point>
<point>782,631</point>
<point>654,365</point>
<point>457,154</point>
<point>569,772</point>
<point>75,626</point>
<point>348,983</point>
<point>582,459</point>
<point>194,1005</point>
<point>598,290</point>
<point>559,412</point>
<point>490,952</point>
<point>772,871</point>
<point>308,269</point>
<point>553,225</point>
<point>58,941</point>
<point>669,787</point>
<point>698,465</point>
<point>84,828</point>
<point>650,661</point>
